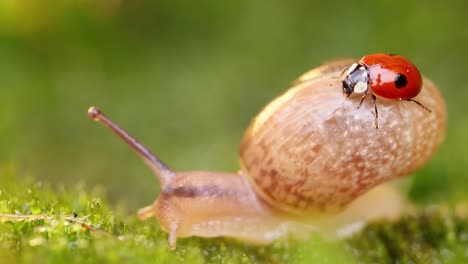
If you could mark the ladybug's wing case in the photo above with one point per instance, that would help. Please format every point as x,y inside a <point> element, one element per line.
<point>392,77</point>
<point>384,81</point>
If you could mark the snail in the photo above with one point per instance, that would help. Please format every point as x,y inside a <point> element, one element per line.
<point>311,158</point>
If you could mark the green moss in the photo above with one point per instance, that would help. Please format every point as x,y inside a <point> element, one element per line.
<point>436,235</point>
<point>78,225</point>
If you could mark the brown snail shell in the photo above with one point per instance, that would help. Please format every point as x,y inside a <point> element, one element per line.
<point>313,150</point>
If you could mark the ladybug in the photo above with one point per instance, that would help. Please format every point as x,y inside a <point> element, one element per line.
<point>385,76</point>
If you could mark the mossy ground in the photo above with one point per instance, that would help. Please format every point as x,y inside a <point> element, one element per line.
<point>79,226</point>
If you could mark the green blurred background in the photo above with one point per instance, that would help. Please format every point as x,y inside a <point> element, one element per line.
<point>186,77</point>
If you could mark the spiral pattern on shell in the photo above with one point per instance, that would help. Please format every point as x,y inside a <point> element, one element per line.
<point>313,150</point>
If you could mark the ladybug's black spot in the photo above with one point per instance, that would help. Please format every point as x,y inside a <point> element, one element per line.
<point>400,80</point>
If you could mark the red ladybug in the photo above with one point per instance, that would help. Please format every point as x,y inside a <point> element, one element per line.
<point>386,76</point>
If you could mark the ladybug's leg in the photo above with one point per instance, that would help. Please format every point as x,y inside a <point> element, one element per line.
<point>376,113</point>
<point>362,99</point>
<point>421,105</point>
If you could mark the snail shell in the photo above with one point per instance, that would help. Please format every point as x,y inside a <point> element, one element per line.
<point>311,150</point>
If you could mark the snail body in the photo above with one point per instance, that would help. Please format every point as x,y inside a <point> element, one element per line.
<point>310,159</point>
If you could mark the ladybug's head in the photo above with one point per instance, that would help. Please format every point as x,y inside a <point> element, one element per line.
<point>356,80</point>
<point>348,86</point>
